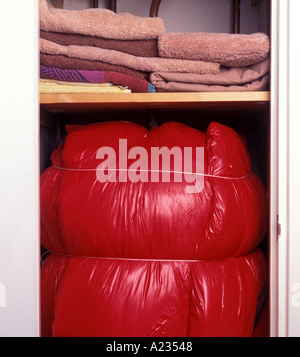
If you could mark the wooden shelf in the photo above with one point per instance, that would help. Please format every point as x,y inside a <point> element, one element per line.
<point>235,100</point>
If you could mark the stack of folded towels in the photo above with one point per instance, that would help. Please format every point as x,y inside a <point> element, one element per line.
<point>243,60</point>
<point>96,46</point>
<point>97,50</point>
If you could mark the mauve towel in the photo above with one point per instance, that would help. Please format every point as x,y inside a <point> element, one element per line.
<point>75,63</point>
<point>252,78</point>
<point>141,48</point>
<point>99,22</point>
<point>231,50</point>
<point>136,85</point>
<point>146,64</point>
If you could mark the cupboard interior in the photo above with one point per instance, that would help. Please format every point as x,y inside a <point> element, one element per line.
<point>251,121</point>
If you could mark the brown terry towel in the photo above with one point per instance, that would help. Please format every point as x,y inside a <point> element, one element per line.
<point>145,64</point>
<point>64,62</point>
<point>141,48</point>
<point>99,22</point>
<point>243,79</point>
<point>232,50</point>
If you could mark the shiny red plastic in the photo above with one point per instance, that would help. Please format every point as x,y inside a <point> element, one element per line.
<point>148,258</point>
<point>115,298</point>
<point>84,217</point>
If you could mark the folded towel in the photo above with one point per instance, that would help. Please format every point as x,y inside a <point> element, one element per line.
<point>64,62</point>
<point>99,22</point>
<point>232,50</point>
<point>55,88</point>
<point>146,64</point>
<point>136,85</point>
<point>252,78</point>
<point>142,48</point>
<point>83,84</point>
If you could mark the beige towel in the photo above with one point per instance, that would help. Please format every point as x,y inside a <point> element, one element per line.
<point>99,22</point>
<point>55,88</point>
<point>243,79</point>
<point>146,64</point>
<point>231,50</point>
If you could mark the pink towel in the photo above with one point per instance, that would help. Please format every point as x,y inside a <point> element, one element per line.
<point>242,79</point>
<point>231,50</point>
<point>99,22</point>
<point>145,64</point>
<point>64,62</point>
<point>143,48</point>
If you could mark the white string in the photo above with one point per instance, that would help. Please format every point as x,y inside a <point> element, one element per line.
<point>159,171</point>
<point>129,259</point>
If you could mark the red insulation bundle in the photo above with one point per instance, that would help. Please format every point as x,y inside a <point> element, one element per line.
<point>151,242</point>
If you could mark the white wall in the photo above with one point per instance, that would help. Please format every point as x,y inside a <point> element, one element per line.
<point>188,15</point>
<point>19,169</point>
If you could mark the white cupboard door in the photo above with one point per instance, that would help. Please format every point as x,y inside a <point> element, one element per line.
<point>285,171</point>
<point>19,169</point>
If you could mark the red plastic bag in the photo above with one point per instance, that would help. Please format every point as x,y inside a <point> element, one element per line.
<point>84,217</point>
<point>140,298</point>
<point>148,247</point>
